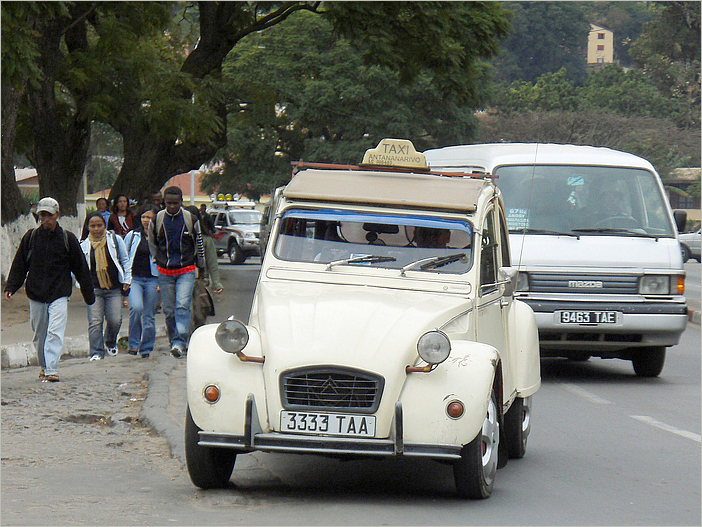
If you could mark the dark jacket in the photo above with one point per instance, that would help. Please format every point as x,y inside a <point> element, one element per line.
<point>48,274</point>
<point>175,246</point>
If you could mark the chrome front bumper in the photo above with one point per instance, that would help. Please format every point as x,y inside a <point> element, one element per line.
<point>256,439</point>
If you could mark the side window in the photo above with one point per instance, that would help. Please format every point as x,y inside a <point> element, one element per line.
<point>488,254</point>
<point>504,242</point>
<point>221,220</point>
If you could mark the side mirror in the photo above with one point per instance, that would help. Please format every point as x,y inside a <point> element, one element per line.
<point>508,278</point>
<point>680,219</point>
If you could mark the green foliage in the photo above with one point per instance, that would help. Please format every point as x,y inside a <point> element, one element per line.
<point>546,37</point>
<point>299,91</point>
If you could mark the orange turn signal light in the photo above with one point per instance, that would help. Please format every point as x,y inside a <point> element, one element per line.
<point>211,393</point>
<point>681,285</point>
<point>455,409</point>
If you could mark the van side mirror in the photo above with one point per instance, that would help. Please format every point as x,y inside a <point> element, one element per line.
<point>680,219</point>
<point>508,278</point>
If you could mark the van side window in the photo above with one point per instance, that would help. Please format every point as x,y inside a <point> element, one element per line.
<point>488,254</point>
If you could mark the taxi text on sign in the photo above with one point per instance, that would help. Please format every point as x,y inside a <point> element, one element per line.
<point>395,152</point>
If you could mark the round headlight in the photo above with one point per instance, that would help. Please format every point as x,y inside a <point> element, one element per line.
<point>434,347</point>
<point>232,336</point>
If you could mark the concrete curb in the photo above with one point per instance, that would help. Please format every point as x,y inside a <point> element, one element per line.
<point>694,316</point>
<point>23,354</point>
<point>154,410</point>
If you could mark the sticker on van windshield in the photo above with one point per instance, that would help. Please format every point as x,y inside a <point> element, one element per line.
<point>517,219</point>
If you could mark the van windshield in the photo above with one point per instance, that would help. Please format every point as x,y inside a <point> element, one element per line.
<point>583,200</point>
<point>352,238</point>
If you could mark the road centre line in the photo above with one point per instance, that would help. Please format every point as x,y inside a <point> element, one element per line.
<point>577,390</point>
<point>651,421</point>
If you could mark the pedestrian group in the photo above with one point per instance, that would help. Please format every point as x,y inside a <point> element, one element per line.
<point>161,251</point>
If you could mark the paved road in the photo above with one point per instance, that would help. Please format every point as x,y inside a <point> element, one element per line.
<point>607,448</point>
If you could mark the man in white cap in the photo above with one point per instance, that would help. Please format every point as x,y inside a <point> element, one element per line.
<point>46,258</point>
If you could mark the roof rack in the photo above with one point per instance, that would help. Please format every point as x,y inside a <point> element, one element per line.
<point>301,165</point>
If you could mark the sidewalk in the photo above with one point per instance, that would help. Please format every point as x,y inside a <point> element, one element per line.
<point>165,403</point>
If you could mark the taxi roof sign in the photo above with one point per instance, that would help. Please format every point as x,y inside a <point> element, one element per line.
<point>397,153</point>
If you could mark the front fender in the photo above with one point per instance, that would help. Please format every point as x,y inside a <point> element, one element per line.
<point>208,364</point>
<point>526,342</point>
<point>466,376</point>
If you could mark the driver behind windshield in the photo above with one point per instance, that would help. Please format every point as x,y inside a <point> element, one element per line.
<point>429,237</point>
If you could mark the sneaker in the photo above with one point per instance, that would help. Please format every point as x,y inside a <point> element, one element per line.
<point>145,355</point>
<point>53,377</point>
<point>132,352</point>
<point>95,357</point>
<point>218,291</point>
<point>112,351</point>
<point>176,351</point>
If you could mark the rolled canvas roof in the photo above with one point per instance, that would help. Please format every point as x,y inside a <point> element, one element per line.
<point>425,191</point>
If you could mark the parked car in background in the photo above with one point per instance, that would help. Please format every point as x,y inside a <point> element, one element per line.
<point>690,245</point>
<point>237,226</point>
<point>383,324</point>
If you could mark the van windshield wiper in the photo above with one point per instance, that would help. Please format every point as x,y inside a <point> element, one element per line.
<point>434,262</point>
<point>545,231</point>
<point>628,232</point>
<point>366,258</point>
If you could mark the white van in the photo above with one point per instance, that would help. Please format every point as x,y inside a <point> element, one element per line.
<point>596,244</point>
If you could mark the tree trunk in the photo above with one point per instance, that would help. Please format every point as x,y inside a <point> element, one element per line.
<point>61,141</point>
<point>13,204</point>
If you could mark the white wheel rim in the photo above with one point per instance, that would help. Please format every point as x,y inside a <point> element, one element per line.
<point>490,439</point>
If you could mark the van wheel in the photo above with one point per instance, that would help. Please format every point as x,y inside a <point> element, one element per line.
<point>236,255</point>
<point>209,468</point>
<point>648,362</point>
<point>517,424</point>
<point>475,472</point>
<point>685,252</point>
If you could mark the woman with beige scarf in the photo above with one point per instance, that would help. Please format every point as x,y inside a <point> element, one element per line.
<point>111,272</point>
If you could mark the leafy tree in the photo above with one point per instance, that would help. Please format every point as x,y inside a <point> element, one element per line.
<point>668,51</point>
<point>547,36</point>
<point>551,91</point>
<point>304,93</point>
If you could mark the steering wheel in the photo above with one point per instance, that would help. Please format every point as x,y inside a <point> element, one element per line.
<point>615,222</point>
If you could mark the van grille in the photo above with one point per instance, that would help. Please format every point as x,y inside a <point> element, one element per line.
<point>331,389</point>
<point>591,284</point>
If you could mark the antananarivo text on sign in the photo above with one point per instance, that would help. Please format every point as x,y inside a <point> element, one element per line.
<point>395,152</point>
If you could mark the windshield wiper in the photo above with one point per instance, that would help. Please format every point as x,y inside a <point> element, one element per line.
<point>366,258</point>
<point>628,232</point>
<point>545,231</point>
<point>434,262</point>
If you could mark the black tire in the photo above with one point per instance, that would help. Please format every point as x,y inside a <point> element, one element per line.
<point>209,468</point>
<point>236,255</point>
<point>474,473</point>
<point>517,423</point>
<point>648,362</point>
<point>685,252</point>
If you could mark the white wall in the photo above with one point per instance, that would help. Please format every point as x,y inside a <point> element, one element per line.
<point>11,234</point>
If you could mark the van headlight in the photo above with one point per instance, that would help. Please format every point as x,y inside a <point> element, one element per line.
<point>434,347</point>
<point>655,285</point>
<point>232,336</point>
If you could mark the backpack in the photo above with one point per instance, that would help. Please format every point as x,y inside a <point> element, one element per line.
<point>187,217</point>
<point>31,243</point>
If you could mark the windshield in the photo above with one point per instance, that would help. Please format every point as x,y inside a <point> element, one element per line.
<point>583,200</point>
<point>244,216</point>
<point>349,238</point>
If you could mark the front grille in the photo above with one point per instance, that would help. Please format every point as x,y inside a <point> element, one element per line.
<point>331,389</point>
<point>583,283</point>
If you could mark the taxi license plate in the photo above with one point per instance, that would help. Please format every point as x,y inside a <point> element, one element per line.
<point>587,317</point>
<point>330,424</point>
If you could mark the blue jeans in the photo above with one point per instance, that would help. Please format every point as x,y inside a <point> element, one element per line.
<point>176,295</point>
<point>49,325</point>
<point>107,307</point>
<point>143,296</point>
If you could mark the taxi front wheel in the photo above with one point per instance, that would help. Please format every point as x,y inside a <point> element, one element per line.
<point>474,473</point>
<point>209,468</point>
<point>648,362</point>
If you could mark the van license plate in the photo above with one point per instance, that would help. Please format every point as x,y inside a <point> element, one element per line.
<point>328,424</point>
<point>587,317</point>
